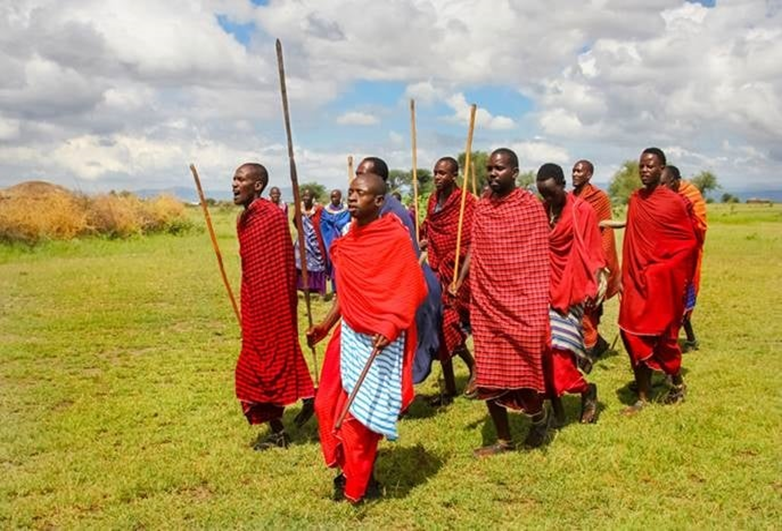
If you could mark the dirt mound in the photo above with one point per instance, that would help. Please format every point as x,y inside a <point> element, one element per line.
<point>34,189</point>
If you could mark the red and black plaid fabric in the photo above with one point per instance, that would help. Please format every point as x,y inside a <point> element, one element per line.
<point>440,230</point>
<point>271,371</point>
<point>509,276</point>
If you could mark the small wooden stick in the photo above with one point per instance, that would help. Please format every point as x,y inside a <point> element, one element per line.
<point>415,165</point>
<point>354,392</point>
<point>350,169</point>
<point>467,150</point>
<point>296,200</point>
<point>214,243</point>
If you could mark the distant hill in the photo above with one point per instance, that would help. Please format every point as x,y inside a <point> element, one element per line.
<point>189,195</point>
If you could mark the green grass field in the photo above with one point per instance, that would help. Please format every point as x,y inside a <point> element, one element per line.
<point>118,409</point>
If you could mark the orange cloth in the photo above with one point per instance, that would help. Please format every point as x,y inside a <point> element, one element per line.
<point>602,205</point>
<point>692,193</point>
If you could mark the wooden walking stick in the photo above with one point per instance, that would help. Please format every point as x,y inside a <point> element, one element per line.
<point>354,392</point>
<point>216,247</point>
<point>415,165</point>
<point>467,150</point>
<point>297,200</point>
<point>350,169</point>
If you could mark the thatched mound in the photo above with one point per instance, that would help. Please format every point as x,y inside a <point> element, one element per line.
<point>33,189</point>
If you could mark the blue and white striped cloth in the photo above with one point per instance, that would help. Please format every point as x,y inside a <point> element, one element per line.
<point>379,400</point>
<point>567,332</point>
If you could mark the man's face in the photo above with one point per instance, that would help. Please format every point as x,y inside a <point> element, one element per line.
<point>581,174</point>
<point>552,193</point>
<point>650,168</point>
<point>363,203</point>
<point>274,195</point>
<point>667,179</point>
<point>245,187</point>
<point>307,199</point>
<point>336,198</point>
<point>444,175</point>
<point>501,174</point>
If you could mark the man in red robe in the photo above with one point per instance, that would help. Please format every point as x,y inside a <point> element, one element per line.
<point>271,372</point>
<point>583,170</point>
<point>509,272</point>
<point>672,178</point>
<point>439,232</point>
<point>380,285</point>
<point>658,261</point>
<point>577,268</point>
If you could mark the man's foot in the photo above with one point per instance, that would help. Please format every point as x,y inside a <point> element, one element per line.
<point>500,447</point>
<point>589,405</point>
<point>441,400</point>
<point>278,439</point>
<point>585,363</point>
<point>307,410</point>
<point>339,487</point>
<point>689,346</point>
<point>600,348</point>
<point>538,432</point>
<point>374,489</point>
<point>636,408</point>
<point>471,390</point>
<point>676,394</point>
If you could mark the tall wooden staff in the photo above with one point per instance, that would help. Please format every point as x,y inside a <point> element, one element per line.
<point>350,169</point>
<point>354,392</point>
<point>467,150</point>
<point>214,243</point>
<point>296,200</point>
<point>415,165</point>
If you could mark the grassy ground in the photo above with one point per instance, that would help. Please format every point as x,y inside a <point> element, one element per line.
<point>117,407</point>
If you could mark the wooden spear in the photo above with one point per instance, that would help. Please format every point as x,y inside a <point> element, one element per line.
<point>296,200</point>
<point>354,392</point>
<point>415,165</point>
<point>216,247</point>
<point>467,150</point>
<point>350,169</point>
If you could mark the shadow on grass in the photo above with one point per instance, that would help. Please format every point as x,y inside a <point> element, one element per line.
<point>422,408</point>
<point>572,406</point>
<point>402,468</point>
<point>628,396</point>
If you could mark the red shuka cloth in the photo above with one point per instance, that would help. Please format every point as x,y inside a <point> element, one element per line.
<point>695,198</point>
<point>271,371</point>
<point>509,278</point>
<point>440,230</point>
<point>600,201</point>
<point>658,261</point>
<point>576,254</point>
<point>380,286</point>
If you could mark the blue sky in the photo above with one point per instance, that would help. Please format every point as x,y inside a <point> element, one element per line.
<point>126,95</point>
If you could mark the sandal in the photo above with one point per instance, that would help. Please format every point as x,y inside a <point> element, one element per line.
<point>500,447</point>
<point>629,411</point>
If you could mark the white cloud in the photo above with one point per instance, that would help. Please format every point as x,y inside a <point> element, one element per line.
<point>532,154</point>
<point>357,118</point>
<point>483,118</point>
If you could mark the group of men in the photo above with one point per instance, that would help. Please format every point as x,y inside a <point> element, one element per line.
<point>532,277</point>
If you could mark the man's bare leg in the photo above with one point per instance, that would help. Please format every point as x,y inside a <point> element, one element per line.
<point>643,381</point>
<point>276,439</point>
<point>499,416</point>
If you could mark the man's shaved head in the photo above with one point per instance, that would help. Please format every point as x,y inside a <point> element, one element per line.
<point>366,195</point>
<point>375,183</point>
<point>257,172</point>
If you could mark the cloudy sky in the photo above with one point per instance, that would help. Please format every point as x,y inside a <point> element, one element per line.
<point>110,94</point>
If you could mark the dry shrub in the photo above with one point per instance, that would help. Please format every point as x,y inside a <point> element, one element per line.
<point>35,211</point>
<point>52,213</point>
<point>113,215</point>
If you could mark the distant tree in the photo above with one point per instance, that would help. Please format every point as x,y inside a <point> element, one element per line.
<point>624,182</point>
<point>402,181</point>
<point>478,159</point>
<point>317,189</point>
<point>729,198</point>
<point>527,180</point>
<point>706,182</point>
